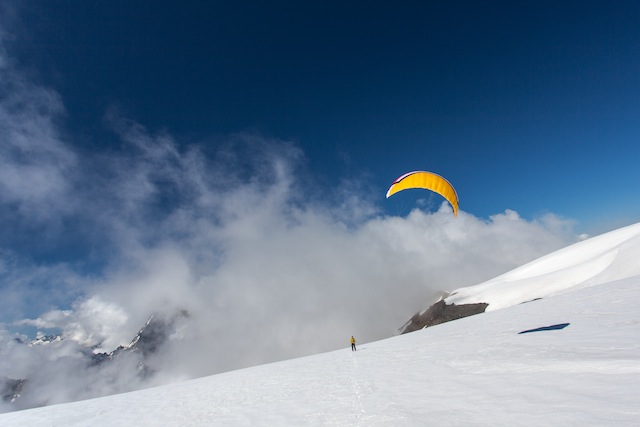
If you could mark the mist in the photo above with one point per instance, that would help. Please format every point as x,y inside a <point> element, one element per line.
<point>268,261</point>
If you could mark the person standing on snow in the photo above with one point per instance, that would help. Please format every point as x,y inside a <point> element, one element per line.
<point>353,343</point>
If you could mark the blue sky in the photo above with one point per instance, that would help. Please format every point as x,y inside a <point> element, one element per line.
<point>135,129</point>
<point>526,107</point>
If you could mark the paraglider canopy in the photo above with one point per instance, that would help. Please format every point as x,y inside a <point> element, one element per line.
<point>428,181</point>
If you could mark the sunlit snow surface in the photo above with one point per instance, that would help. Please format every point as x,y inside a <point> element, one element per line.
<point>474,371</point>
<point>606,258</point>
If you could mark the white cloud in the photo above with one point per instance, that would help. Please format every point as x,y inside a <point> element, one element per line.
<point>36,167</point>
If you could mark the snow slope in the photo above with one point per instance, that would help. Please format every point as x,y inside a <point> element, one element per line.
<point>476,371</point>
<point>606,258</point>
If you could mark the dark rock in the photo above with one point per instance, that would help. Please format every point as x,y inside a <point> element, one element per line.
<point>441,312</point>
<point>149,340</point>
<point>10,389</point>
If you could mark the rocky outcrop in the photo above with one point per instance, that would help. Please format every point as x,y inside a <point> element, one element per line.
<point>10,389</point>
<point>441,312</point>
<point>149,340</point>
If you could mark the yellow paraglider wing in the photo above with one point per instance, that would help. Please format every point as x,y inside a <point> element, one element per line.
<point>429,181</point>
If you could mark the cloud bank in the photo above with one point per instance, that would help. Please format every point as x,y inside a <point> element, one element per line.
<point>236,231</point>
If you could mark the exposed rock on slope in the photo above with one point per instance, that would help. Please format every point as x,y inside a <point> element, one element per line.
<point>441,313</point>
<point>10,389</point>
<point>149,340</point>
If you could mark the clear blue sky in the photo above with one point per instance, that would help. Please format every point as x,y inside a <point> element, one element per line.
<point>526,106</point>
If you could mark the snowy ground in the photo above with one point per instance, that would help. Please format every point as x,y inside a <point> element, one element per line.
<point>474,371</point>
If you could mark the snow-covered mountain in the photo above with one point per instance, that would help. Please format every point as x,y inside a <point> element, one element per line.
<point>592,262</point>
<point>479,370</point>
<point>145,344</point>
<point>149,338</point>
<point>43,339</point>
<point>603,259</point>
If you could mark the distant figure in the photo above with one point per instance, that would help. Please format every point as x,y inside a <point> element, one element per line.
<point>353,343</point>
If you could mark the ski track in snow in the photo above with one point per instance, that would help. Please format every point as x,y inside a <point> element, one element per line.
<point>354,383</point>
